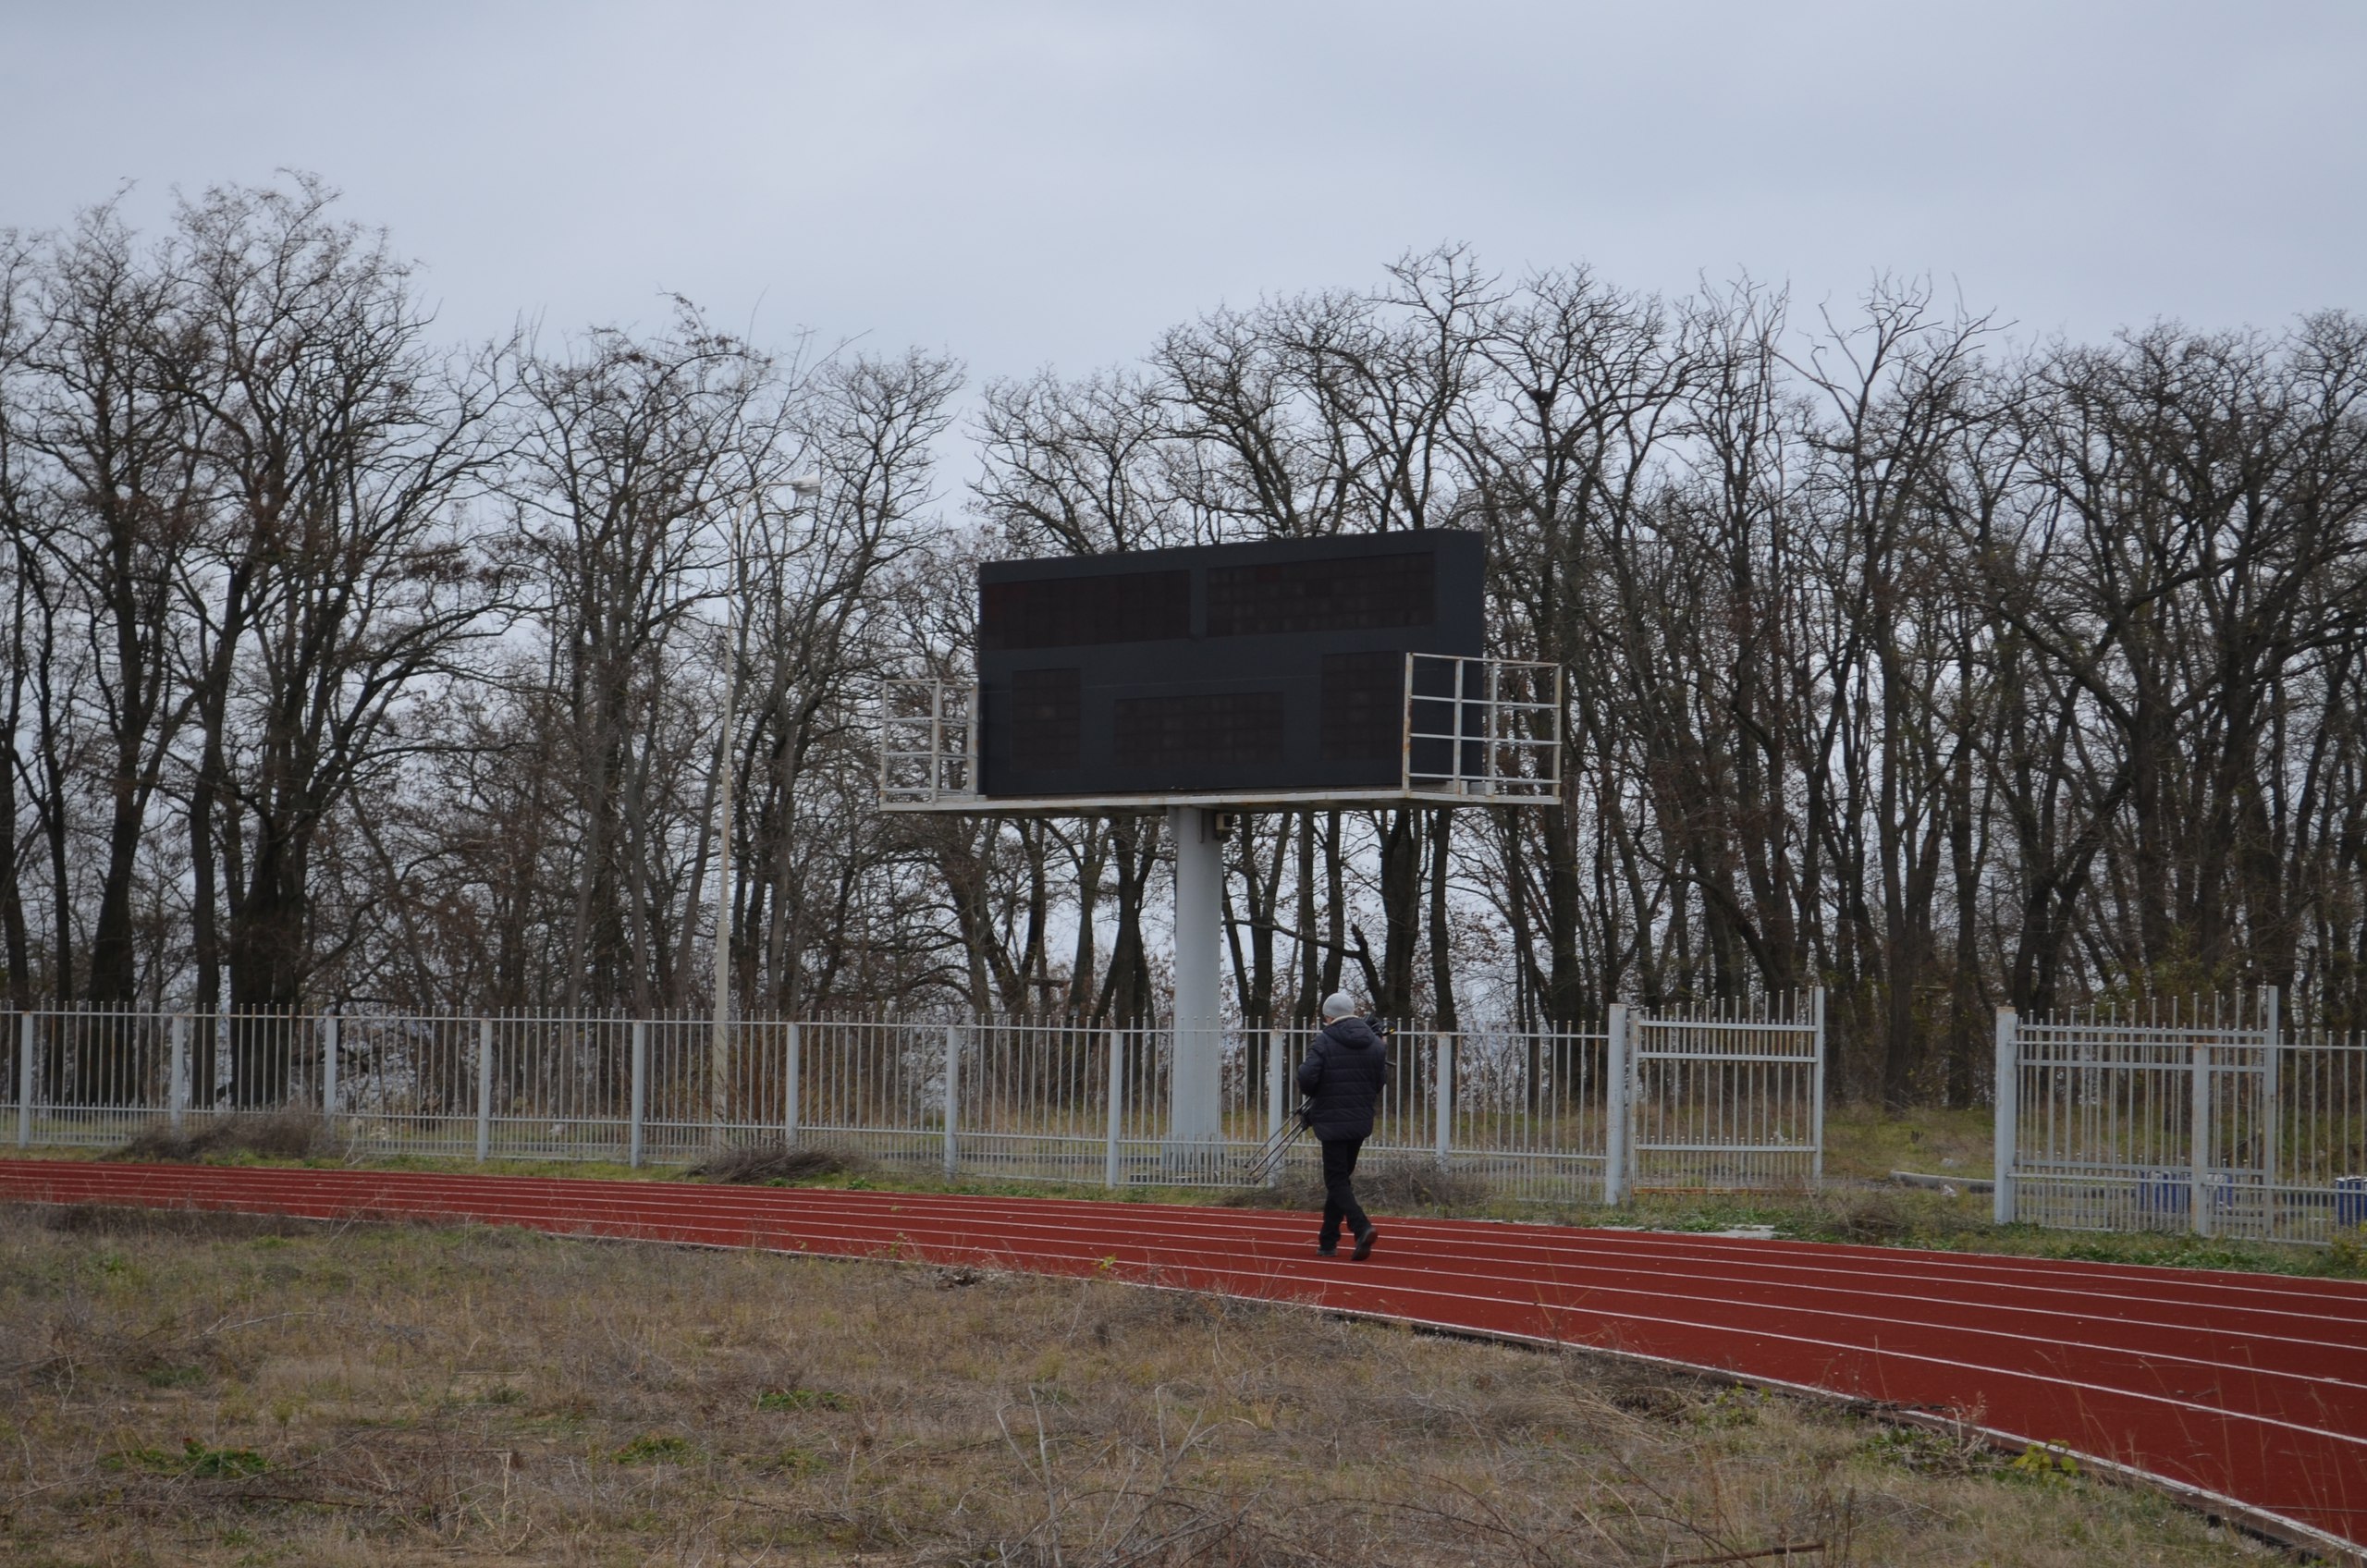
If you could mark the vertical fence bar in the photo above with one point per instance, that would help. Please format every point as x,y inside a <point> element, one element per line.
<point>484,1089</point>
<point>2005,1137</point>
<point>2198,1134</point>
<point>1110,1169</point>
<point>1816,1116</point>
<point>1442,1093</point>
<point>789,1066</point>
<point>638,1109</point>
<point>953,1100</point>
<point>1618,1109</point>
<point>177,1086</point>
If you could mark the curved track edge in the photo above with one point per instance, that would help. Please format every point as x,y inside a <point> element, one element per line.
<point>572,1207</point>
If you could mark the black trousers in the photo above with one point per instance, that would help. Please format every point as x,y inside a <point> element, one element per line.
<point>1339,1197</point>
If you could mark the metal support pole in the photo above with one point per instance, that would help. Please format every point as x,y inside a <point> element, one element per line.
<point>1442,1092</point>
<point>2006,1137</point>
<point>26,1037</point>
<point>2271,1122</point>
<point>1109,1166</point>
<point>1815,1174</point>
<point>328,1074</point>
<point>639,1108</point>
<point>790,1090</point>
<point>952,1102</point>
<point>176,1092</point>
<point>1277,1068</point>
<point>1194,1109</point>
<point>484,1089</point>
<point>719,1041</point>
<point>1618,1104</point>
<point>2199,1116</point>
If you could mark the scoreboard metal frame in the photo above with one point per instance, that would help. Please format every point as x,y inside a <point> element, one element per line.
<point>1332,670</point>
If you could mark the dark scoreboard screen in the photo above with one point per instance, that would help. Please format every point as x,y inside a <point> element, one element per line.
<point>1272,666</point>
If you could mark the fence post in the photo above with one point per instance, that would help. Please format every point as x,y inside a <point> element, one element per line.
<point>1618,1108</point>
<point>638,1110</point>
<point>1442,1092</point>
<point>177,1086</point>
<point>1816,1115</point>
<point>2272,1122</point>
<point>1109,1165</point>
<point>484,1089</point>
<point>2199,1118</point>
<point>26,1033</point>
<point>952,1100</point>
<point>790,1090</point>
<point>328,1074</point>
<point>1278,1069</point>
<point>2005,1138</point>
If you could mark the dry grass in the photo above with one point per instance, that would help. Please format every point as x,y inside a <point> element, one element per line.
<point>178,1388</point>
<point>279,1134</point>
<point>774,1162</point>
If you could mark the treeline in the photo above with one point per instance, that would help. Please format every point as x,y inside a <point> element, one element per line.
<point>346,667</point>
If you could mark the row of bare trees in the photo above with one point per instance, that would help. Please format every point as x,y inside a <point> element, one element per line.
<point>346,667</point>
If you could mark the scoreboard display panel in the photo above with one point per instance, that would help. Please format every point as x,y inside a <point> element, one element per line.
<point>1278,665</point>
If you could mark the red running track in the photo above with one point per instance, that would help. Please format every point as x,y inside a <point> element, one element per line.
<point>2249,1388</point>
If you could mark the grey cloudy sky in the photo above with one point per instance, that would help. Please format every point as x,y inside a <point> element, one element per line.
<point>1023,184</point>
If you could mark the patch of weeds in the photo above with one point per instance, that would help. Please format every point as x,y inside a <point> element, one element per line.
<point>797,1462</point>
<point>802,1399</point>
<point>750,1163</point>
<point>653,1450</point>
<point>175,1377</point>
<point>2044,1462</point>
<point>1731,1407</point>
<point>195,1459</point>
<point>222,1463</point>
<point>289,1134</point>
<point>502,1393</point>
<point>1926,1452</point>
<point>152,1459</point>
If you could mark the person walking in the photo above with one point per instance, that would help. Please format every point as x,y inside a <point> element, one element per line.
<point>1345,1070</point>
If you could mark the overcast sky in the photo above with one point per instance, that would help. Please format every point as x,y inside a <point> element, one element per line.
<point>1023,184</point>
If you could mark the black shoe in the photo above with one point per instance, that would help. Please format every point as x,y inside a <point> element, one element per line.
<point>1364,1243</point>
<point>1322,1251</point>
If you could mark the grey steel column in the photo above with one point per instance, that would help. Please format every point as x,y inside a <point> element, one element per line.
<point>1193,1109</point>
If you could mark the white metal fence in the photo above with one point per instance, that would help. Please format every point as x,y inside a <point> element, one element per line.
<point>1729,1096</point>
<point>1714,1097</point>
<point>2209,1116</point>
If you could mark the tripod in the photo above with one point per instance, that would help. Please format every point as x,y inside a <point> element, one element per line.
<point>1270,1157</point>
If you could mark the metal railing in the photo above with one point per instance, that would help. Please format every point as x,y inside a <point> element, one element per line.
<point>1469,730</point>
<point>928,741</point>
<point>1538,1113</point>
<point>1485,728</point>
<point>1726,1096</point>
<point>2204,1115</point>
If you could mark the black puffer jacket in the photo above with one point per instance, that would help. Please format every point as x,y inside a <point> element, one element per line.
<point>1344,1072</point>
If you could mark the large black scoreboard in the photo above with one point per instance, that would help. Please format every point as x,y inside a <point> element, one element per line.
<point>1276,665</point>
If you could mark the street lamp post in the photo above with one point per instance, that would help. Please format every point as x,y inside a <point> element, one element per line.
<point>805,487</point>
